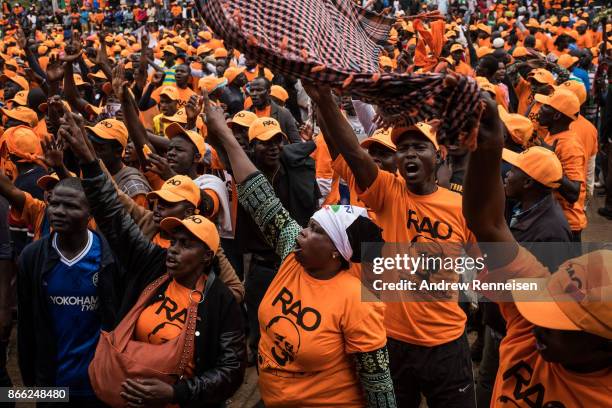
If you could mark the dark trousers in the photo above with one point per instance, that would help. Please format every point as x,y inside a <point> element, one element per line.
<point>257,282</point>
<point>608,164</point>
<point>5,380</point>
<point>443,374</point>
<point>487,371</point>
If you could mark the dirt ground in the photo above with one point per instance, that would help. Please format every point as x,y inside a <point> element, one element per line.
<point>248,395</point>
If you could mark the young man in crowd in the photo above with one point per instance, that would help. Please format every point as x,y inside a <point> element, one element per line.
<point>557,113</point>
<point>556,349</point>
<point>428,350</point>
<point>259,91</point>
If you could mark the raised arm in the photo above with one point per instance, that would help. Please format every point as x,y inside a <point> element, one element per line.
<point>136,253</point>
<point>340,137</point>
<point>483,192</point>
<point>254,191</point>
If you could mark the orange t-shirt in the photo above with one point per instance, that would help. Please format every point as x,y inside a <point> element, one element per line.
<point>524,378</point>
<point>264,113</point>
<point>585,40</point>
<point>572,156</point>
<point>306,344</point>
<point>404,218</point>
<point>164,320</point>
<point>587,133</point>
<point>464,69</point>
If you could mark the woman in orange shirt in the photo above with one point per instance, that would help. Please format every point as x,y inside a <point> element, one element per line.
<point>321,345</point>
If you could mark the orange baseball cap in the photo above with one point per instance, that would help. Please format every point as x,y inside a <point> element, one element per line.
<point>111,129</point>
<point>170,91</point>
<point>232,72</point>
<point>176,189</point>
<point>482,51</point>
<point>175,129</point>
<point>211,83</point>
<point>487,86</point>
<point>179,117</point>
<point>244,118</point>
<point>169,49</point>
<point>484,27</point>
<point>22,114</point>
<point>78,81</point>
<point>97,75</point>
<point>519,52</point>
<point>577,87</point>
<point>426,130</point>
<point>22,142</point>
<point>456,47</point>
<point>567,60</point>
<point>48,181</point>
<point>382,137</point>
<point>220,53</point>
<point>562,100</point>
<point>203,49</point>
<point>542,76</point>
<point>537,162</point>
<point>519,127</point>
<point>199,226</point>
<point>18,79</point>
<point>279,93</point>
<point>264,129</point>
<point>20,98</point>
<point>576,297</point>
<point>42,49</point>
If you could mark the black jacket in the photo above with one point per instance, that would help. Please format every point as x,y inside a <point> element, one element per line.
<point>35,337</point>
<point>220,352</point>
<point>285,120</point>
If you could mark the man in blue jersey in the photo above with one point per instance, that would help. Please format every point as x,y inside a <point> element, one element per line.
<point>63,284</point>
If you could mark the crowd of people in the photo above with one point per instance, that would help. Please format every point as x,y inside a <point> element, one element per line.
<point>173,211</point>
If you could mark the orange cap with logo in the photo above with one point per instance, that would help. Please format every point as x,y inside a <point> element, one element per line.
<point>425,129</point>
<point>199,226</point>
<point>542,76</point>
<point>175,129</point>
<point>232,72</point>
<point>456,47</point>
<point>220,53</point>
<point>562,100</point>
<point>263,129</point>
<point>577,88</point>
<point>244,118</point>
<point>577,297</point>
<point>519,127</point>
<point>537,162</point>
<point>279,93</point>
<point>176,189</point>
<point>22,114</point>
<point>20,98</point>
<point>170,91</point>
<point>203,49</point>
<point>22,142</point>
<point>111,129</point>
<point>382,137</point>
<point>18,79</point>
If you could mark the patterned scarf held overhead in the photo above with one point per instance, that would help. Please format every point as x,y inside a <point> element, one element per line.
<point>338,43</point>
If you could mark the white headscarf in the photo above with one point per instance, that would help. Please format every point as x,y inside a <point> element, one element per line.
<point>335,219</point>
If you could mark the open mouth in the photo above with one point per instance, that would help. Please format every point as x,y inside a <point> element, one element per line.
<point>171,262</point>
<point>411,168</point>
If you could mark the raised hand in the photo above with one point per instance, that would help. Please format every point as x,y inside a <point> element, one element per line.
<point>159,165</point>
<point>193,108</point>
<point>118,82</point>
<point>73,135</point>
<point>214,117</point>
<point>73,51</point>
<point>22,41</point>
<point>55,69</point>
<point>158,79</point>
<point>53,149</point>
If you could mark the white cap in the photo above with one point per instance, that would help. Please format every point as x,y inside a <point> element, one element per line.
<point>498,43</point>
